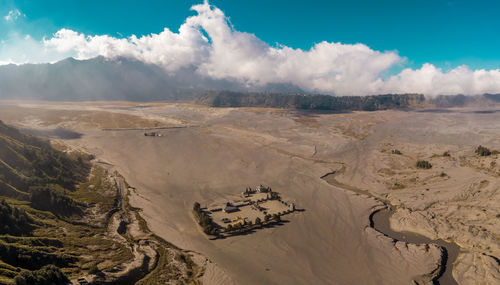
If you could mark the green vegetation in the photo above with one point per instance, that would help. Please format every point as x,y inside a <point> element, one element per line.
<point>395,151</point>
<point>93,269</point>
<point>276,217</point>
<point>13,220</point>
<point>48,199</point>
<point>204,220</point>
<point>482,151</point>
<point>54,216</point>
<point>275,196</point>
<point>446,154</point>
<point>424,164</point>
<point>258,221</point>
<point>44,236</point>
<point>47,275</point>
<point>310,102</point>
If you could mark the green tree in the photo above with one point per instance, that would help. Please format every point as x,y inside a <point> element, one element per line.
<point>267,217</point>
<point>258,221</point>
<point>276,217</point>
<point>196,207</point>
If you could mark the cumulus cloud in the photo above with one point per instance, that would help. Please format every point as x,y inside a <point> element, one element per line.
<point>209,44</point>
<point>13,15</point>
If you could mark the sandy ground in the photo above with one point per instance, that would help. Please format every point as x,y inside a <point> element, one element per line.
<point>330,242</point>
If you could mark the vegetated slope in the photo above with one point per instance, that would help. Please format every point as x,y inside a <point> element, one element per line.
<point>34,176</point>
<point>31,170</point>
<point>311,102</point>
<point>62,218</point>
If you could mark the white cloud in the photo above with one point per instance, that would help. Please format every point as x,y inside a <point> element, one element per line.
<point>215,49</point>
<point>19,49</point>
<point>13,15</point>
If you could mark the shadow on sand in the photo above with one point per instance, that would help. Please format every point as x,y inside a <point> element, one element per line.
<point>253,229</point>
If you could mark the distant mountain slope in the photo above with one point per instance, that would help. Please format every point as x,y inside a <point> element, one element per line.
<point>312,102</point>
<point>117,79</point>
<point>126,79</point>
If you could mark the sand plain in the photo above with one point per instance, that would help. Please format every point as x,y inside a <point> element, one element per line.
<point>331,242</point>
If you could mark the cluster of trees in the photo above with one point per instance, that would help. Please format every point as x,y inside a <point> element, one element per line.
<point>204,220</point>
<point>424,164</point>
<point>311,102</point>
<point>47,275</point>
<point>48,199</point>
<point>31,257</point>
<point>13,221</point>
<point>482,151</point>
<point>274,196</point>
<point>268,218</point>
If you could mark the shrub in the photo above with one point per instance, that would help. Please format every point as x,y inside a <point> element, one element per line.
<point>395,151</point>
<point>446,153</point>
<point>93,269</point>
<point>397,186</point>
<point>482,151</point>
<point>276,217</point>
<point>47,275</point>
<point>13,221</point>
<point>424,164</point>
<point>196,207</point>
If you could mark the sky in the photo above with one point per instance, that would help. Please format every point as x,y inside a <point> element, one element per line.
<point>352,47</point>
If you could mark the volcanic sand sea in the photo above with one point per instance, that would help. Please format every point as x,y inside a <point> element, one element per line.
<point>330,242</point>
<point>324,244</point>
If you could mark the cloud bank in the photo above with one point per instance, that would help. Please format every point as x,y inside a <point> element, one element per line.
<point>208,43</point>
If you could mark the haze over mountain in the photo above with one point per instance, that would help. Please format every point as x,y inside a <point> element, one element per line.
<point>128,79</point>
<point>113,79</point>
<point>207,52</point>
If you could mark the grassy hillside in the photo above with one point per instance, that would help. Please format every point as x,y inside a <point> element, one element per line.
<point>31,170</point>
<point>34,180</point>
<point>57,213</point>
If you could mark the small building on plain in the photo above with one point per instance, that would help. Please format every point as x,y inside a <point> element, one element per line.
<point>229,208</point>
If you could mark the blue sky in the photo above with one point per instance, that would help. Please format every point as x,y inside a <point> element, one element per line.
<point>335,47</point>
<point>445,33</point>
